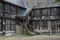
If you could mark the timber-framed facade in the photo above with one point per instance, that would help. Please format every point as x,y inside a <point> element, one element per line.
<point>8,14</point>
<point>45,20</point>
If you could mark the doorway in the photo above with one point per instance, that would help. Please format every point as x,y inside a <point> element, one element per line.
<point>54,27</point>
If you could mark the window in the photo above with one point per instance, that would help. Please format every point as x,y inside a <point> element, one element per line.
<point>33,13</point>
<point>44,25</point>
<point>59,17</point>
<point>54,26</point>
<point>37,25</point>
<point>12,8</point>
<point>58,11</point>
<point>8,15</point>
<point>37,12</point>
<point>3,6</point>
<point>10,25</point>
<point>59,24</point>
<point>13,22</point>
<point>1,14</point>
<point>53,23</point>
<point>53,11</point>
<point>7,7</point>
<point>0,5</point>
<point>18,9</point>
<point>7,27</point>
<point>44,12</point>
<point>0,24</point>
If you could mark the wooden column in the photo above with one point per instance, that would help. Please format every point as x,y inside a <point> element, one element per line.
<point>33,25</point>
<point>49,27</point>
<point>40,28</point>
<point>23,26</point>
<point>58,29</point>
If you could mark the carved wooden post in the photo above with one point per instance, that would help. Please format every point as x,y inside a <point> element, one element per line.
<point>49,27</point>
<point>40,28</point>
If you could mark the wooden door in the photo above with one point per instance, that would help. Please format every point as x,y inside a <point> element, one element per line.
<point>54,27</point>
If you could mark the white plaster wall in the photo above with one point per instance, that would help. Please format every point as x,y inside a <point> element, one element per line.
<point>19,29</point>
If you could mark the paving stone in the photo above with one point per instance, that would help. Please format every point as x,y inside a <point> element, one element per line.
<point>38,37</point>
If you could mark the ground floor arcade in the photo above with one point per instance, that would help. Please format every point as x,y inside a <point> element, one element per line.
<point>46,26</point>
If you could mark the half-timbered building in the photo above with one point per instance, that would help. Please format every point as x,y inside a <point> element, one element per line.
<point>8,13</point>
<point>44,18</point>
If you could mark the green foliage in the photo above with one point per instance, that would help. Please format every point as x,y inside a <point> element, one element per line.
<point>57,0</point>
<point>26,32</point>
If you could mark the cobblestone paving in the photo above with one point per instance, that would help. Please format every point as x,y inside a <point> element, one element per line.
<point>38,37</point>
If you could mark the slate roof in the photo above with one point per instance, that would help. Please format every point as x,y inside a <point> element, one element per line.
<point>40,4</point>
<point>47,6</point>
<point>45,3</point>
<point>16,2</point>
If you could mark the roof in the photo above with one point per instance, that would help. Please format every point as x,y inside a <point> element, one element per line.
<point>40,4</point>
<point>19,3</point>
<point>29,6</point>
<point>16,2</point>
<point>24,12</point>
<point>47,6</point>
<point>45,3</point>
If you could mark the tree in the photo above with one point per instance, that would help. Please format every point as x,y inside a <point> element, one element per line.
<point>57,0</point>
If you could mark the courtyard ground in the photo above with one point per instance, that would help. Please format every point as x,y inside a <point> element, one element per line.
<point>37,37</point>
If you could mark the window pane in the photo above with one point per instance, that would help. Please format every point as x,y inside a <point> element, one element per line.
<point>44,25</point>
<point>59,25</point>
<point>12,27</point>
<point>58,11</point>
<point>44,12</point>
<point>0,24</point>
<point>8,27</point>
<point>8,15</point>
<point>7,7</point>
<point>37,12</point>
<point>59,17</point>
<point>54,11</point>
<point>0,5</point>
<point>1,14</point>
<point>37,25</point>
<point>54,24</point>
<point>18,9</point>
<point>7,21</point>
<point>33,13</point>
<point>12,22</point>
